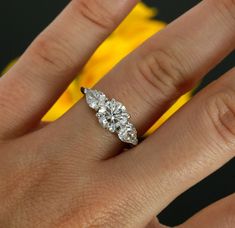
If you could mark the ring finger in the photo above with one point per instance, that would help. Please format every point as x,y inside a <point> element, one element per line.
<point>154,75</point>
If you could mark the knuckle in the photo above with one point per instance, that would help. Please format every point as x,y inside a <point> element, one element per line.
<point>105,219</point>
<point>96,12</point>
<point>111,207</point>
<point>227,8</point>
<point>221,112</point>
<point>163,71</point>
<point>110,211</point>
<point>51,53</point>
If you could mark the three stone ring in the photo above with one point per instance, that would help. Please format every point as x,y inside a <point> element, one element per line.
<point>112,115</point>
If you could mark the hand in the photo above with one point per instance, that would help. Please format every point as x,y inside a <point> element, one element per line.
<point>74,173</point>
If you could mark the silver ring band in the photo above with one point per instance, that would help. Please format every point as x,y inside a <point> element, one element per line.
<point>112,115</point>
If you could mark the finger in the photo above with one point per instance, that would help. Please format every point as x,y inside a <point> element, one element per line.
<point>155,224</point>
<point>149,79</point>
<point>30,88</point>
<point>195,142</point>
<point>219,215</point>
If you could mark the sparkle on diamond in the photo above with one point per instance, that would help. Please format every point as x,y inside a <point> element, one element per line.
<point>128,134</point>
<point>95,99</point>
<point>113,115</point>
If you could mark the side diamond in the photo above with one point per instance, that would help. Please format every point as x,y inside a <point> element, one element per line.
<point>128,134</point>
<point>95,99</point>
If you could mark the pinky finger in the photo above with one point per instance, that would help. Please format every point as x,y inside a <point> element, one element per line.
<point>219,215</point>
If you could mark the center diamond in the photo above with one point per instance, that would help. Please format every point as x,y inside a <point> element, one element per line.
<point>112,115</point>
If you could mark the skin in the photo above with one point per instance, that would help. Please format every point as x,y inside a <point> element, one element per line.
<point>72,172</point>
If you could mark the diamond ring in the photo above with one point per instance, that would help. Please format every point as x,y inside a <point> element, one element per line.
<point>112,115</point>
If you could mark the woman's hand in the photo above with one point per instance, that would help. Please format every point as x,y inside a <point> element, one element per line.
<point>72,172</point>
